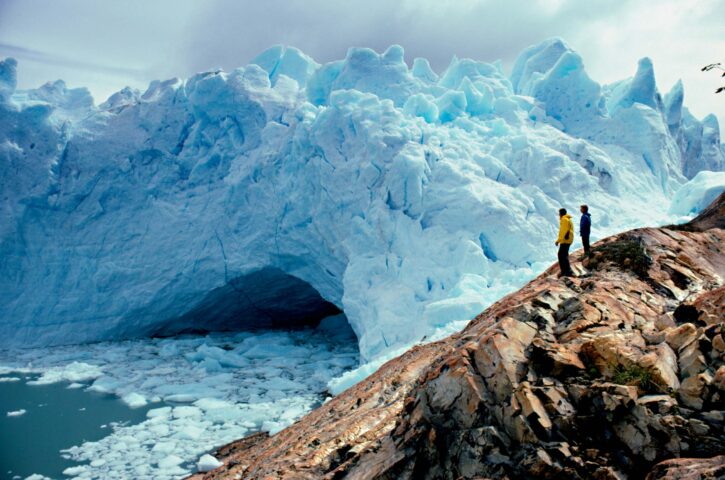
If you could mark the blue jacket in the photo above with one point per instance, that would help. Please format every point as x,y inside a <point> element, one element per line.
<point>585,224</point>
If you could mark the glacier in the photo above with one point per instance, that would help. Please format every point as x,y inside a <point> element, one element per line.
<point>695,195</point>
<point>285,190</point>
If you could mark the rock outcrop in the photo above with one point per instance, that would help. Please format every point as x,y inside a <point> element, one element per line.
<point>617,373</point>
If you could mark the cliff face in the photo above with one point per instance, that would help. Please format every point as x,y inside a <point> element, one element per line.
<point>608,375</point>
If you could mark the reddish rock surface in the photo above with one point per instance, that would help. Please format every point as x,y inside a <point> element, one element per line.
<point>690,469</point>
<point>609,375</point>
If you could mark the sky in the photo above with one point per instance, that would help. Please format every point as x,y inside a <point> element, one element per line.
<point>105,45</point>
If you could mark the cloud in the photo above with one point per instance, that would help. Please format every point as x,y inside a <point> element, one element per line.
<point>31,55</point>
<point>167,38</point>
<point>482,29</point>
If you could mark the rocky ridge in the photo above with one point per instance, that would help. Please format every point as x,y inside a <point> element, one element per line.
<point>617,373</point>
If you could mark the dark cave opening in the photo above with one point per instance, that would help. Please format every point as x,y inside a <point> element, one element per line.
<point>264,299</point>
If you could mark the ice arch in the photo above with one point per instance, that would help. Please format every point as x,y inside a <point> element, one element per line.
<point>406,199</point>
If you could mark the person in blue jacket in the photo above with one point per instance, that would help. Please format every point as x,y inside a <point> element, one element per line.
<point>585,228</point>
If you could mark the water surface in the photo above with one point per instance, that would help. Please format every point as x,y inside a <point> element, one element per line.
<point>56,418</point>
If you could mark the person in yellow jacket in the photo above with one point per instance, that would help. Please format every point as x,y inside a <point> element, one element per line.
<point>566,237</point>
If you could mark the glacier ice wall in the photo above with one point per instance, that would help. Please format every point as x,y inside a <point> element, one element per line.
<point>695,195</point>
<point>404,197</point>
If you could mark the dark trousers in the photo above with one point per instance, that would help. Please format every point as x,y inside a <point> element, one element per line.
<point>585,242</point>
<point>564,264</point>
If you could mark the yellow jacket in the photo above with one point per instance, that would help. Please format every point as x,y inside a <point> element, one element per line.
<point>566,226</point>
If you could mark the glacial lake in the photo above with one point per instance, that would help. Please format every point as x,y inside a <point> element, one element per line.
<point>193,393</point>
<point>56,417</point>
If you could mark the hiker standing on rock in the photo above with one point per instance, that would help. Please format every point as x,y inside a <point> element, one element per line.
<point>566,237</point>
<point>585,228</point>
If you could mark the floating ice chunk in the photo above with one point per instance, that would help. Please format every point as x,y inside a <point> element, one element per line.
<point>181,398</point>
<point>75,471</point>
<point>211,365</point>
<point>9,379</point>
<point>189,432</point>
<point>16,413</point>
<point>159,429</point>
<point>163,412</point>
<point>217,356</point>
<point>226,416</point>
<point>164,447</point>
<point>272,427</point>
<point>212,404</point>
<point>168,348</point>
<point>186,411</point>
<point>36,476</point>
<point>134,400</point>
<point>73,372</point>
<point>208,463</point>
<point>105,384</point>
<point>169,461</point>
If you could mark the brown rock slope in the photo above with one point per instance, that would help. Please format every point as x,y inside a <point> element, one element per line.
<point>606,376</point>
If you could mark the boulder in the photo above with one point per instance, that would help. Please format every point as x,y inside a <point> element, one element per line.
<point>662,363</point>
<point>693,389</point>
<point>691,360</point>
<point>679,336</point>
